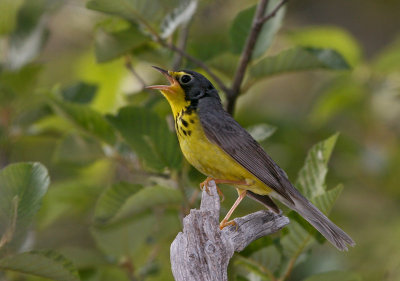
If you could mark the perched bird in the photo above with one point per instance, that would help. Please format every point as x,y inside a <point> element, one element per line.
<point>216,145</point>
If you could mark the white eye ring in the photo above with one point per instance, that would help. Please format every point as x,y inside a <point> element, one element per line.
<point>185,79</point>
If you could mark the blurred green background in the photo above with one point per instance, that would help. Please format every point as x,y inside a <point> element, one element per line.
<point>63,81</point>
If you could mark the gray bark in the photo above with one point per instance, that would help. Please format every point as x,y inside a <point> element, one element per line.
<point>202,251</point>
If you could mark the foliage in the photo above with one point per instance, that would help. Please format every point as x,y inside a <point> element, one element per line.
<point>119,184</point>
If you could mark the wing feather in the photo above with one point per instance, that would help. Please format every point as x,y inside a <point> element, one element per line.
<point>224,131</point>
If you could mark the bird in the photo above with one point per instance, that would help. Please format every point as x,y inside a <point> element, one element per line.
<point>215,144</point>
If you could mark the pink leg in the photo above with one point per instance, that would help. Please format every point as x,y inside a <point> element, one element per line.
<point>204,184</point>
<point>225,222</point>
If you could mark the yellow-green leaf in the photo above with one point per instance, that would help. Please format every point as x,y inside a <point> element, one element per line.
<point>46,264</point>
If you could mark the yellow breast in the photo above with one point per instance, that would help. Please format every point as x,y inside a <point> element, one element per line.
<point>208,157</point>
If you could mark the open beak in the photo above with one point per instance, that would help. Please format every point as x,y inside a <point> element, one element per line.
<point>165,88</point>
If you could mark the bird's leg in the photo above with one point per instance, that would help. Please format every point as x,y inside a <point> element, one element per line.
<point>225,222</point>
<point>204,184</point>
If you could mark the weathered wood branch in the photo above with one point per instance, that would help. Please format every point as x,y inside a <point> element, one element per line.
<point>202,251</point>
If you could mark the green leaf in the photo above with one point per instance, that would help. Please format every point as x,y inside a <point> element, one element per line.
<point>341,99</point>
<point>240,29</point>
<point>329,37</point>
<point>325,201</point>
<point>128,9</point>
<point>388,60</point>
<point>334,276</point>
<point>9,10</point>
<point>136,237</point>
<point>225,63</point>
<point>148,198</point>
<point>146,13</point>
<point>311,178</point>
<point>261,132</point>
<point>257,245</point>
<point>21,82</point>
<point>78,149</point>
<point>252,266</point>
<point>180,15</point>
<point>75,197</point>
<point>46,264</point>
<point>80,92</point>
<point>149,136</point>
<point>297,59</point>
<point>22,187</point>
<point>113,44</point>
<point>112,200</point>
<point>241,26</point>
<point>85,118</point>
<point>29,36</point>
<point>311,182</point>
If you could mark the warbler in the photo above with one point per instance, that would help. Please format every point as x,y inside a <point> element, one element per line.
<point>216,145</point>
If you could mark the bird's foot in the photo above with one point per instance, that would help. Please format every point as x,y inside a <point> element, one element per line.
<point>204,186</point>
<point>224,223</point>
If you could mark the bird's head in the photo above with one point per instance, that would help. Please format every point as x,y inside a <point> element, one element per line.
<point>186,88</point>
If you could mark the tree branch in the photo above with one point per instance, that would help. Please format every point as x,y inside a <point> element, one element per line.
<point>202,251</point>
<point>246,54</point>
<point>245,58</point>
<point>273,12</point>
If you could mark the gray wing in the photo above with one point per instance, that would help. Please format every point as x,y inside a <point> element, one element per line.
<point>221,129</point>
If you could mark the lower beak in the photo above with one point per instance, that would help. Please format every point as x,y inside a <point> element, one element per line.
<point>167,88</point>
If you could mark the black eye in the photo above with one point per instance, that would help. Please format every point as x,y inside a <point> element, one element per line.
<point>185,79</point>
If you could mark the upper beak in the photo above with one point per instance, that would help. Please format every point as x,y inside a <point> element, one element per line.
<point>172,81</point>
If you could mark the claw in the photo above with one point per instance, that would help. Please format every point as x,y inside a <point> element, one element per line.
<point>225,223</point>
<point>204,185</point>
<point>220,194</point>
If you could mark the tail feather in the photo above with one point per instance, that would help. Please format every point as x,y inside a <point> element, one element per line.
<point>340,239</point>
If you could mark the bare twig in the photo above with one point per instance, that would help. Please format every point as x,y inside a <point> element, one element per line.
<point>258,22</point>
<point>202,251</point>
<point>246,54</point>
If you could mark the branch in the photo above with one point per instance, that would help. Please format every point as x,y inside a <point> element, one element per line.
<point>258,22</point>
<point>273,12</point>
<point>202,251</point>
